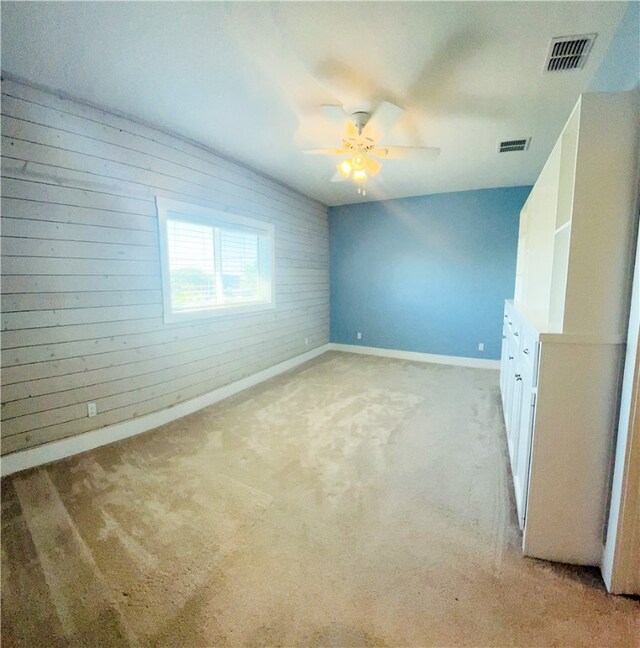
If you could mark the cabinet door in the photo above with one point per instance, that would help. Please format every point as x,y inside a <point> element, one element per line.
<point>514,417</point>
<point>522,437</point>
<point>509,382</point>
<point>503,366</point>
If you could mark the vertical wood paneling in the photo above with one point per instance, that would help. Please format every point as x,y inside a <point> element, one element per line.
<point>81,304</point>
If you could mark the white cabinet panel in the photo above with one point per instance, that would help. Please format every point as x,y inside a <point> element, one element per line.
<point>565,332</point>
<point>571,449</point>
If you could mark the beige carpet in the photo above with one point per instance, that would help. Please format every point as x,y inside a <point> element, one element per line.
<point>356,501</point>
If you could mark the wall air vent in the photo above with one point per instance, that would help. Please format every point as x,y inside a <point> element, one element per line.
<point>569,52</point>
<point>514,145</point>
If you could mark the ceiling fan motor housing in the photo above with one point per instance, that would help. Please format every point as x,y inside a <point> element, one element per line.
<point>360,120</point>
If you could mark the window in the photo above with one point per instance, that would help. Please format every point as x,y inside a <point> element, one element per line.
<point>213,262</point>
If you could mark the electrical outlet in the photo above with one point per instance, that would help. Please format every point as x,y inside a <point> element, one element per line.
<point>92,409</point>
<point>359,335</point>
<point>481,346</point>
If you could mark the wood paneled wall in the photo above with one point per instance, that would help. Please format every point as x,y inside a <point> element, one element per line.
<point>82,304</point>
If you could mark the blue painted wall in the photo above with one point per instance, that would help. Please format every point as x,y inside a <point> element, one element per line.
<point>427,274</point>
<point>620,68</point>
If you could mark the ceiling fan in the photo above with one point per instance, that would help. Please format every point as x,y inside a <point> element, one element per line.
<point>360,143</point>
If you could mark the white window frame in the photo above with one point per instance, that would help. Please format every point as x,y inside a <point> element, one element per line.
<point>166,208</point>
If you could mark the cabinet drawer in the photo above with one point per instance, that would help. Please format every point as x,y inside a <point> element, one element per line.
<point>514,327</point>
<point>530,349</point>
<point>528,343</point>
<point>508,317</point>
<point>512,324</point>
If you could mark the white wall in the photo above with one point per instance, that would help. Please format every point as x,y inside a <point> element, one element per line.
<point>619,71</point>
<point>82,306</point>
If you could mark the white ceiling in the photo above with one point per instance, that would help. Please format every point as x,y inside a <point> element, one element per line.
<point>246,78</point>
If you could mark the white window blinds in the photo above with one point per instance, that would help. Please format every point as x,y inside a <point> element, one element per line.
<point>191,265</point>
<point>213,262</point>
<point>240,252</point>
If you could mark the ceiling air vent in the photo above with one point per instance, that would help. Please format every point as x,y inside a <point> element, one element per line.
<point>569,52</point>
<point>514,145</point>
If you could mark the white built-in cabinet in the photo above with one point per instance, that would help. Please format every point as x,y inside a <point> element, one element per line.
<point>564,331</point>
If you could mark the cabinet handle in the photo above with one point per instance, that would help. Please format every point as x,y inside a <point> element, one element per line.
<point>525,351</point>
<point>504,337</point>
<point>510,357</point>
<point>518,377</point>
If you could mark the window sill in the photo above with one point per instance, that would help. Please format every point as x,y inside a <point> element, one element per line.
<point>217,311</point>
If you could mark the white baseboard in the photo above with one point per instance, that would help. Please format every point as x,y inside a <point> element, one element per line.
<point>458,361</point>
<point>55,450</point>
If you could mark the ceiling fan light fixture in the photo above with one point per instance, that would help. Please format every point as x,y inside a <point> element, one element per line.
<point>345,169</point>
<point>358,162</point>
<point>360,178</point>
<point>358,169</point>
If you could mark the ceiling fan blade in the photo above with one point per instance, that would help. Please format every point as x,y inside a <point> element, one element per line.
<point>350,131</point>
<point>324,151</point>
<point>337,177</point>
<point>385,117</point>
<point>372,166</point>
<point>404,152</point>
<point>335,114</point>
